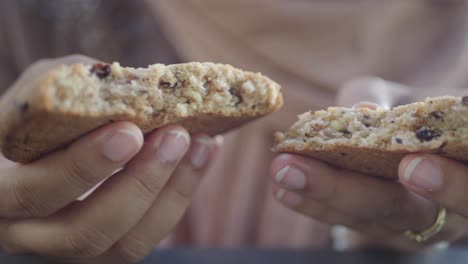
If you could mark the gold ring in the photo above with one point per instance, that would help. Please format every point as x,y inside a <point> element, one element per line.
<point>431,231</point>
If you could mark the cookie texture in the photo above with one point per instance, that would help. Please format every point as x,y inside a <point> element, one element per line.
<point>374,141</point>
<point>71,100</point>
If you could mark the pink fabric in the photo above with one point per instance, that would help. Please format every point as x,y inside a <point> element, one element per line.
<point>311,48</point>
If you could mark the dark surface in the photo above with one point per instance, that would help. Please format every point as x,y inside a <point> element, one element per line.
<point>251,256</point>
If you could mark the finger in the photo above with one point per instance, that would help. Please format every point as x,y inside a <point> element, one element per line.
<point>74,58</point>
<point>386,94</point>
<point>171,204</point>
<point>38,68</point>
<point>43,187</point>
<point>454,228</point>
<point>91,227</point>
<point>326,214</point>
<point>386,202</point>
<point>437,178</point>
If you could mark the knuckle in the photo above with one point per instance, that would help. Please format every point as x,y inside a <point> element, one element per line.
<point>369,226</point>
<point>132,250</point>
<point>86,243</point>
<point>12,249</point>
<point>314,210</point>
<point>9,244</point>
<point>184,196</point>
<point>148,185</point>
<point>461,206</point>
<point>28,202</point>
<point>184,192</point>
<point>78,172</point>
<point>397,207</point>
<point>457,201</point>
<point>333,192</point>
<point>323,212</point>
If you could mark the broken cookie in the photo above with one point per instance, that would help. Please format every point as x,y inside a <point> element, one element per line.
<point>374,141</point>
<point>71,100</point>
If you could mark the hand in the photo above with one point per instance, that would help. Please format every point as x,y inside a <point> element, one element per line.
<point>379,209</point>
<point>148,184</point>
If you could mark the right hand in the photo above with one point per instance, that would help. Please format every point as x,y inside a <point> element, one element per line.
<point>148,184</point>
<point>379,211</point>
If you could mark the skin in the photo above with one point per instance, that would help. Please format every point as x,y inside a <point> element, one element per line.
<point>378,211</point>
<point>149,183</point>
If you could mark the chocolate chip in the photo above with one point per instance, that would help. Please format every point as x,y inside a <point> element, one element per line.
<point>425,134</point>
<point>167,85</point>
<point>131,78</point>
<point>23,106</point>
<point>235,92</point>
<point>441,147</point>
<point>164,84</point>
<point>465,100</point>
<point>101,70</point>
<point>207,81</point>
<point>343,154</point>
<point>399,140</point>
<point>347,134</point>
<point>437,114</point>
<point>365,120</point>
<point>366,123</point>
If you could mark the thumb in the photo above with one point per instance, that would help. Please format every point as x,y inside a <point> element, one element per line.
<point>442,180</point>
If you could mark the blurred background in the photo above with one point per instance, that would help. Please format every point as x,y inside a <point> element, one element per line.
<point>110,30</point>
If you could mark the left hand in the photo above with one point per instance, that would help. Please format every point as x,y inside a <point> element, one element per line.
<point>380,209</point>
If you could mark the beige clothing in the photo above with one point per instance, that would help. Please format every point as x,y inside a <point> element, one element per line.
<point>311,48</point>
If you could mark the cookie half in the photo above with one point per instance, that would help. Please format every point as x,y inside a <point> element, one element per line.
<point>71,100</point>
<point>374,141</point>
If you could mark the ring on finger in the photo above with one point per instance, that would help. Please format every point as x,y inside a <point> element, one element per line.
<point>433,230</point>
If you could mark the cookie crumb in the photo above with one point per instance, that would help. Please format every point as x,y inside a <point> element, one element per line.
<point>165,84</point>
<point>23,106</point>
<point>338,125</point>
<point>465,100</point>
<point>235,92</point>
<point>437,114</point>
<point>101,70</point>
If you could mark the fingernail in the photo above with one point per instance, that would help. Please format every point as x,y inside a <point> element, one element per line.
<point>173,145</point>
<point>288,198</point>
<point>201,152</point>
<point>122,145</point>
<point>291,178</point>
<point>219,140</point>
<point>424,174</point>
<point>366,104</point>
